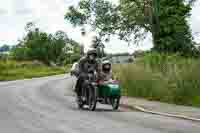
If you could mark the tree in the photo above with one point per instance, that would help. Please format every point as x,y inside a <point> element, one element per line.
<point>191,2</point>
<point>30,26</point>
<point>171,30</point>
<point>38,45</point>
<point>99,14</point>
<point>166,20</point>
<point>61,35</point>
<point>4,48</point>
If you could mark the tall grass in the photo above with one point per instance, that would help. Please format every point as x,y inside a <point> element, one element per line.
<point>168,78</point>
<point>12,70</point>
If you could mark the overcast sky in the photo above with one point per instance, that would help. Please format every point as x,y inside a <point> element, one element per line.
<point>49,16</point>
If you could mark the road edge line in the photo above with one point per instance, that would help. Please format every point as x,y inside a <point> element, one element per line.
<point>141,109</point>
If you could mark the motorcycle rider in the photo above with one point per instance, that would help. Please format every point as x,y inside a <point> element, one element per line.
<point>87,63</point>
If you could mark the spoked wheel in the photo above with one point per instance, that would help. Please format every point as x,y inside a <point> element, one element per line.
<point>92,98</point>
<point>80,105</point>
<point>80,102</point>
<point>115,102</point>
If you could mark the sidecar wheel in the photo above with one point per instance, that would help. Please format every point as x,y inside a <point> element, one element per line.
<point>115,103</point>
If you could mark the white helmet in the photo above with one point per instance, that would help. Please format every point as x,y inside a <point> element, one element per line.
<point>106,62</point>
<point>106,66</point>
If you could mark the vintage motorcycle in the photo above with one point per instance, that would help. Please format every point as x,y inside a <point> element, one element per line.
<point>104,92</point>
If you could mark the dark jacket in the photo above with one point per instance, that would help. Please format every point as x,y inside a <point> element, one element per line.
<point>85,65</point>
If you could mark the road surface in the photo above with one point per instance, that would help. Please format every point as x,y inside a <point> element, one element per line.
<point>47,105</point>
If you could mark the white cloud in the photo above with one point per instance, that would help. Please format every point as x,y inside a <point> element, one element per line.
<point>49,16</point>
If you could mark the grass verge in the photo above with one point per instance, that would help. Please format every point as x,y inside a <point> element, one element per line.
<point>13,70</point>
<point>166,78</point>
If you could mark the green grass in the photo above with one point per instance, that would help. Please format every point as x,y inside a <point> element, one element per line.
<point>12,70</point>
<point>165,78</point>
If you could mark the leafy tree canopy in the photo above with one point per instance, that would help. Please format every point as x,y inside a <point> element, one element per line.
<point>166,20</point>
<point>38,45</point>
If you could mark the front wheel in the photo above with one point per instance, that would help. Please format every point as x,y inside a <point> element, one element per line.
<point>79,100</point>
<point>92,98</point>
<point>80,103</point>
<point>115,102</point>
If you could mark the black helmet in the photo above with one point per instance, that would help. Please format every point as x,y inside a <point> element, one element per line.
<point>92,52</point>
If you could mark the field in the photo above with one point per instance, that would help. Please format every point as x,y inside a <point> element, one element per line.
<point>166,78</point>
<point>12,70</point>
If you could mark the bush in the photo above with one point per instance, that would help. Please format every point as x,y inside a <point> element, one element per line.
<point>168,78</point>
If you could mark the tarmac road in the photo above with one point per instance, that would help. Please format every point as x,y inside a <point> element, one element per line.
<point>47,105</point>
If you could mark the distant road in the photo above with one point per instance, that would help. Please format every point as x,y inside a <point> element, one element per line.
<point>47,105</point>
